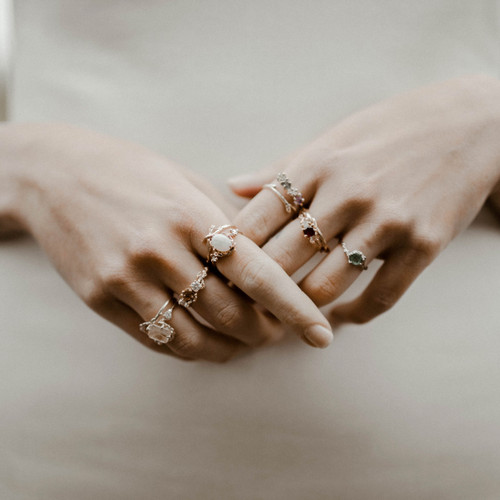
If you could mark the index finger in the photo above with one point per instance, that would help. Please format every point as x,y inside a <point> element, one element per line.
<point>263,280</point>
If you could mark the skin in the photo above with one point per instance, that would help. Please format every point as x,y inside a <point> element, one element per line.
<point>397,181</point>
<point>125,228</point>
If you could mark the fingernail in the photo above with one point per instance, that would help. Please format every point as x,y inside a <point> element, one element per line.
<point>241,181</point>
<point>318,336</point>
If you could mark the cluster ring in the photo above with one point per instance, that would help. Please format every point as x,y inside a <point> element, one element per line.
<point>189,295</point>
<point>297,197</point>
<point>312,232</point>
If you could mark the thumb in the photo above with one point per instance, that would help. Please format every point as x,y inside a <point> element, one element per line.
<point>248,185</point>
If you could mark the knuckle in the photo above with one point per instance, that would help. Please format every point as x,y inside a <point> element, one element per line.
<point>252,272</point>
<point>96,298</point>
<point>380,302</point>
<point>323,290</point>
<point>228,317</point>
<point>425,245</point>
<point>108,283</point>
<point>187,345</point>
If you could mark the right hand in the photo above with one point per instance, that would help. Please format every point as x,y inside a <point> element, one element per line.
<point>125,228</point>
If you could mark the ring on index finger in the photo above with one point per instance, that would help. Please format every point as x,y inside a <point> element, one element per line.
<point>289,208</point>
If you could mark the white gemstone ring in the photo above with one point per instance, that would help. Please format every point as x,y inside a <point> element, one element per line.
<point>189,295</point>
<point>220,241</point>
<point>311,231</point>
<point>158,328</point>
<point>355,257</point>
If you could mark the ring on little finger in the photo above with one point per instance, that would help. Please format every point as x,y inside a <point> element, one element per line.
<point>312,232</point>
<point>355,257</point>
<point>158,328</point>
<point>220,241</point>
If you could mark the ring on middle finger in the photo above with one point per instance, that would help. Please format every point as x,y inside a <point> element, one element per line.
<point>189,295</point>
<point>312,232</point>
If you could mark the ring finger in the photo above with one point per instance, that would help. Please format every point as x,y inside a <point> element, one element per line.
<point>191,339</point>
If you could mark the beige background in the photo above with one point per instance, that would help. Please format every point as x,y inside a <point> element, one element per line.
<point>406,407</point>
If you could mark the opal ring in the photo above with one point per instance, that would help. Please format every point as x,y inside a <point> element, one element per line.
<point>158,328</point>
<point>189,295</point>
<point>312,232</point>
<point>220,241</point>
<point>355,257</point>
<point>297,197</point>
<point>288,206</point>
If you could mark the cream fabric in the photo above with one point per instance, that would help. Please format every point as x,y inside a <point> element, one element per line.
<point>5,53</point>
<point>406,407</point>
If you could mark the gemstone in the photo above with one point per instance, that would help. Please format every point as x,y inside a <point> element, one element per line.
<point>221,243</point>
<point>309,231</point>
<point>196,286</point>
<point>298,199</point>
<point>356,258</point>
<point>168,314</point>
<point>161,333</point>
<point>189,294</point>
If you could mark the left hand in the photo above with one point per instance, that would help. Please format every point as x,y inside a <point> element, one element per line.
<point>397,181</point>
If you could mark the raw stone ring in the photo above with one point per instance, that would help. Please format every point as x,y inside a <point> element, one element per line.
<point>158,328</point>
<point>220,241</point>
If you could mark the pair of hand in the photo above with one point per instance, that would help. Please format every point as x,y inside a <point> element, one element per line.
<point>125,227</point>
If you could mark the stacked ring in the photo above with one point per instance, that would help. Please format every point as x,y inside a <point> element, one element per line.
<point>312,232</point>
<point>158,328</point>
<point>220,241</point>
<point>189,295</point>
<point>297,197</point>
<point>288,206</point>
<point>355,257</point>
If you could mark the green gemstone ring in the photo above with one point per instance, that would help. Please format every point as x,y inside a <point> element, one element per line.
<point>355,257</point>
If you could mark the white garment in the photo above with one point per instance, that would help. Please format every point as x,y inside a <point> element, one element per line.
<point>5,51</point>
<point>406,407</point>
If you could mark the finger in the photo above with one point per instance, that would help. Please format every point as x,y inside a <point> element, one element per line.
<point>265,214</point>
<point>128,320</point>
<point>248,185</point>
<point>191,339</point>
<point>391,281</point>
<point>332,276</point>
<point>226,310</point>
<point>263,280</point>
<point>292,246</point>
